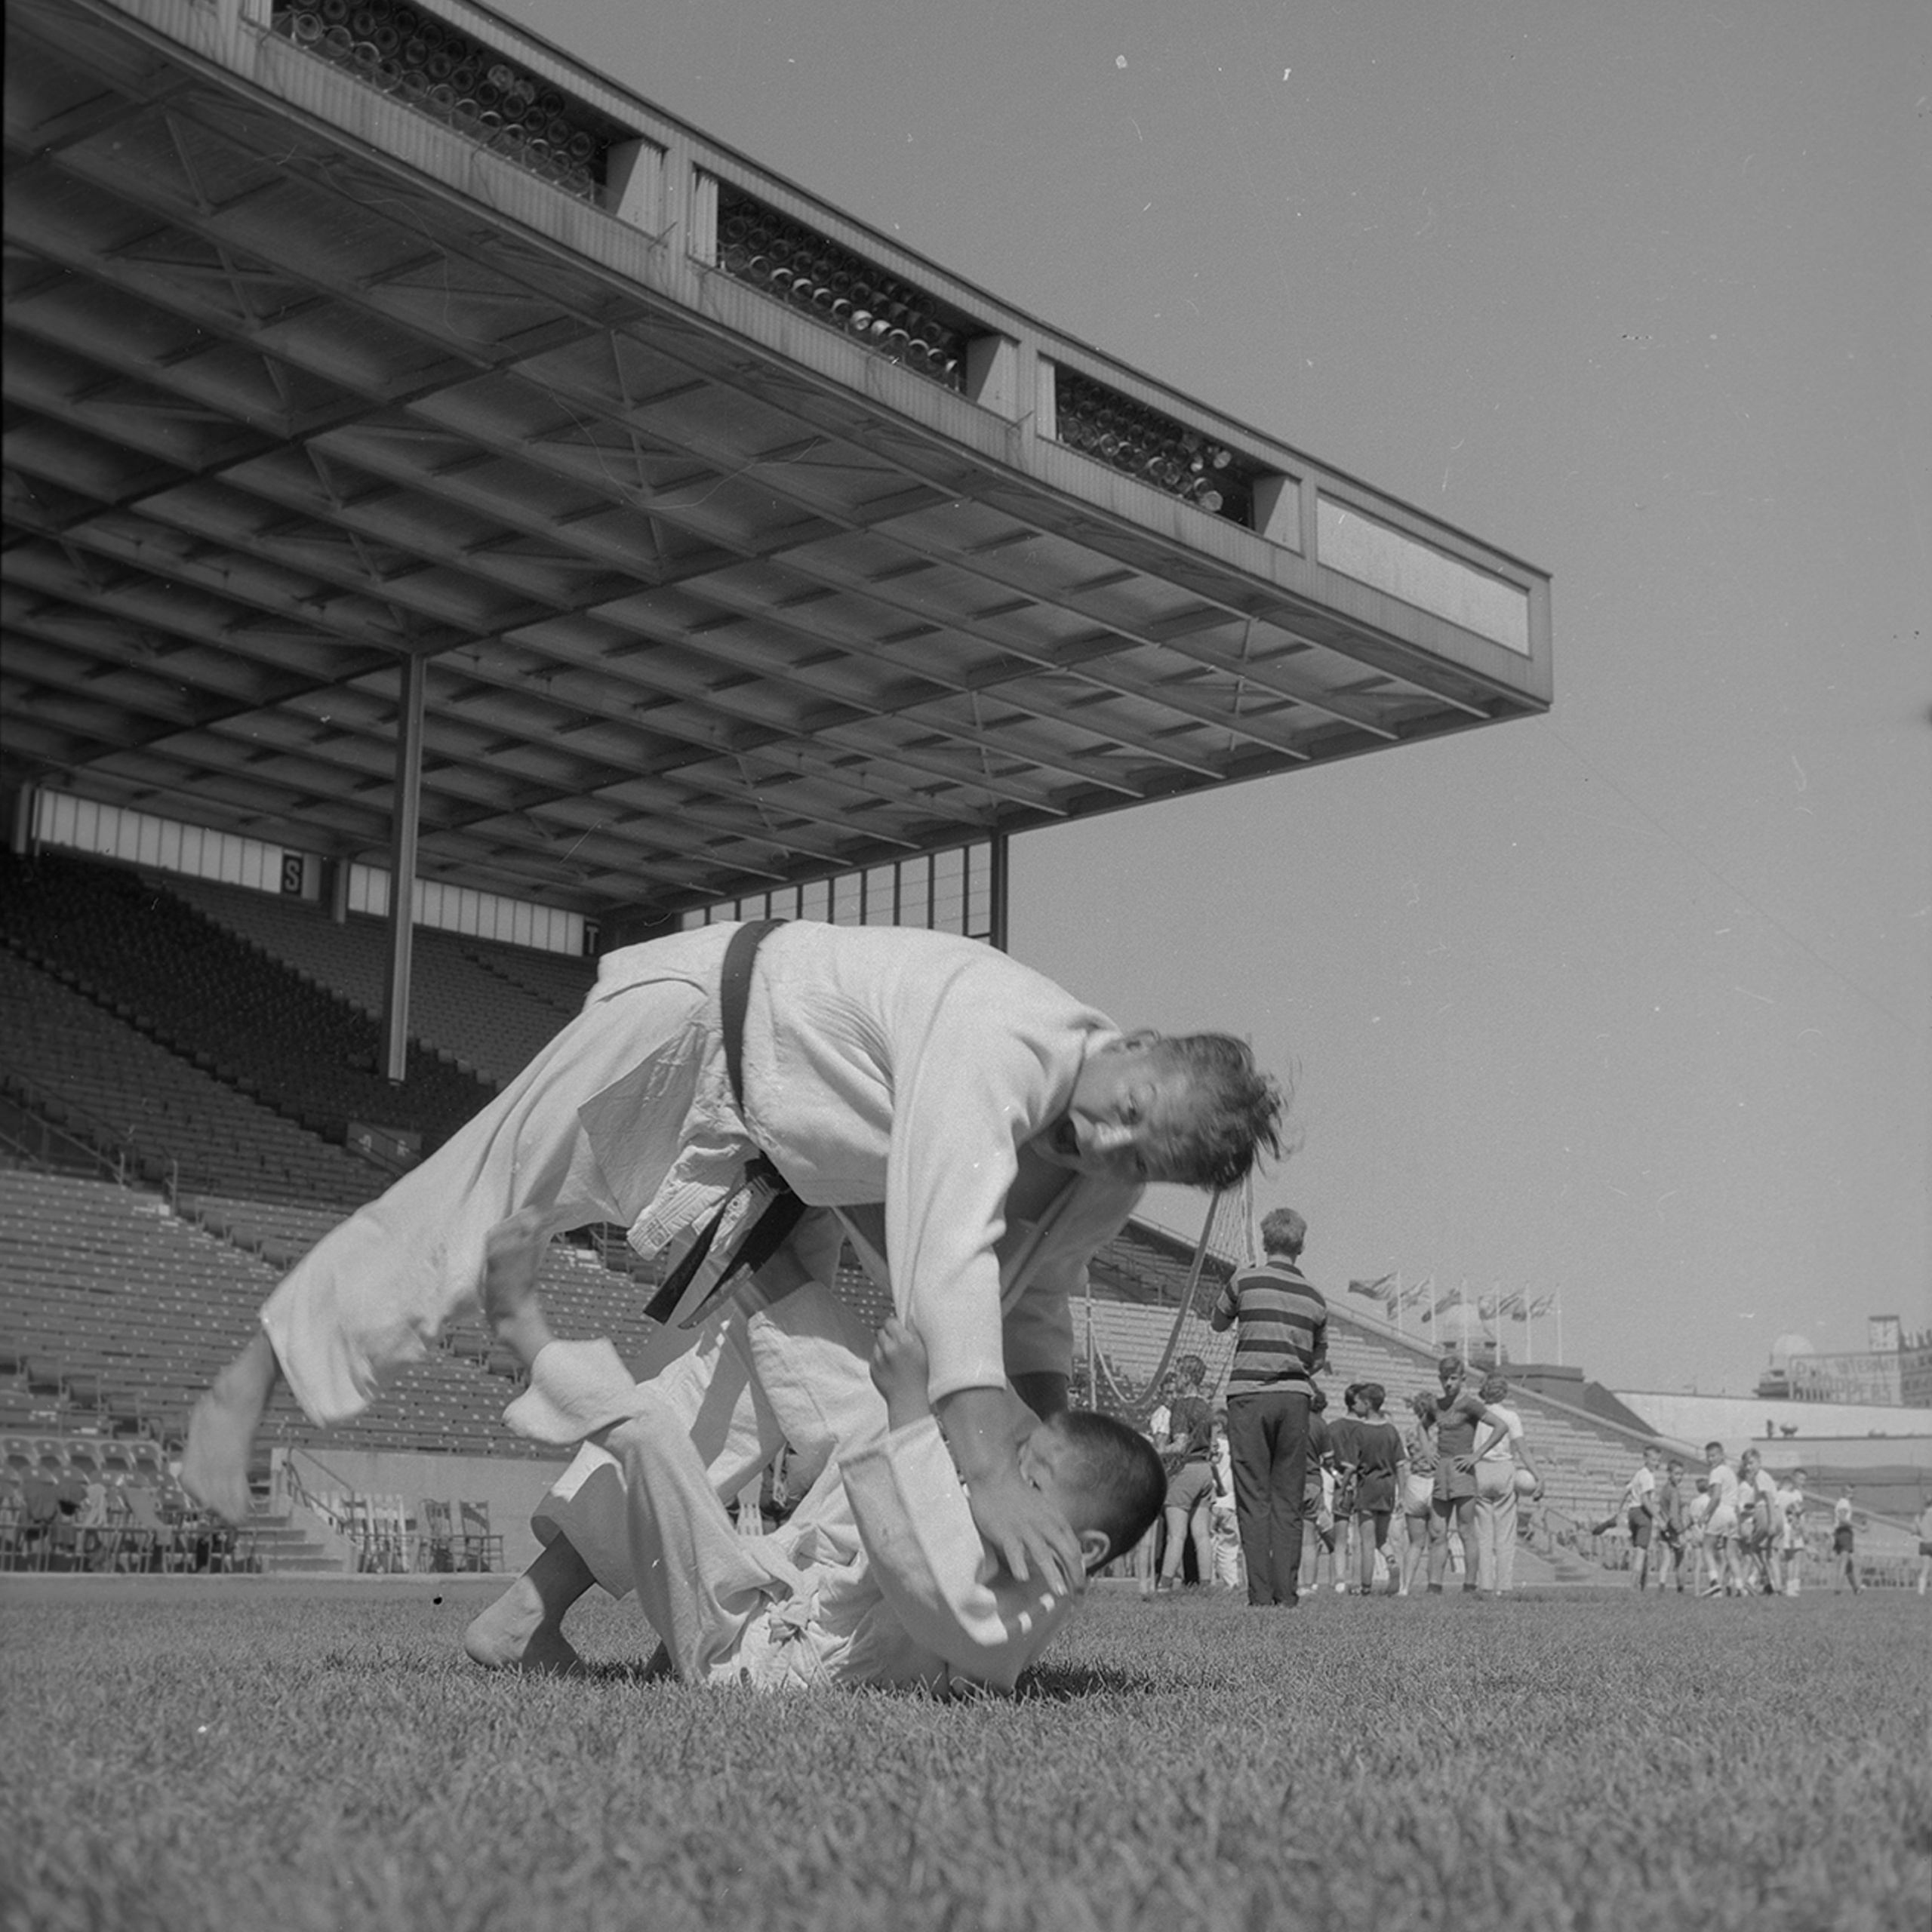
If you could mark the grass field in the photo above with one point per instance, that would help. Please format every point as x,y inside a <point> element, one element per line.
<point>240,1755</point>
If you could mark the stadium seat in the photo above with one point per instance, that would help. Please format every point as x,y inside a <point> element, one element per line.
<point>434,1548</point>
<point>482,1547</point>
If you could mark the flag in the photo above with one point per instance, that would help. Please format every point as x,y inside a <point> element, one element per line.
<point>1420,1292</point>
<point>1378,1290</point>
<point>1543,1304</point>
<point>1453,1298</point>
<point>1512,1305</point>
<point>1487,1308</point>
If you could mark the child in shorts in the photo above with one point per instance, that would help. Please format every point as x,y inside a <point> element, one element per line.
<point>1669,1506</point>
<point>1419,1516</point>
<point>1844,1551</point>
<point>1377,1473</point>
<point>1722,1576</point>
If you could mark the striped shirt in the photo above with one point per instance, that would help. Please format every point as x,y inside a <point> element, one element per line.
<point>1281,1337</point>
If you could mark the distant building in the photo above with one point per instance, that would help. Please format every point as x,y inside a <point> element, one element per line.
<point>1893,1371</point>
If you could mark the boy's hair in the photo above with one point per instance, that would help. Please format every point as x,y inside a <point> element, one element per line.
<point>1349,1394</point>
<point>1373,1395</point>
<point>1718,1446</point>
<point>1282,1231</point>
<point>1119,1472</point>
<point>1232,1113</point>
<point>1450,1369</point>
<point>1423,1403</point>
<point>1317,1401</point>
<point>1494,1387</point>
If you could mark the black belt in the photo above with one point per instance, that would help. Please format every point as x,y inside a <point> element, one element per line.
<point>774,1211</point>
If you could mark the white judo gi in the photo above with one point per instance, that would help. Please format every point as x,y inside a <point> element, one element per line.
<point>890,1074</point>
<point>879,1577</point>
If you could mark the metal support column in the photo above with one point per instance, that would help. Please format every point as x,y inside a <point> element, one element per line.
<point>405,824</point>
<point>997,854</point>
<point>21,835</point>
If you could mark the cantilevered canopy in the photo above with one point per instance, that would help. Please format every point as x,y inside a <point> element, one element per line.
<point>311,368</point>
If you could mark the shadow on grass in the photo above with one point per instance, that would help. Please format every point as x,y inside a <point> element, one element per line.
<point>1060,1683</point>
<point>632,1673</point>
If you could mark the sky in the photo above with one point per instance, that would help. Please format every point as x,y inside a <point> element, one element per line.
<point>1632,1003</point>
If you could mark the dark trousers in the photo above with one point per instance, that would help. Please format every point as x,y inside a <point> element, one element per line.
<point>1268,1445</point>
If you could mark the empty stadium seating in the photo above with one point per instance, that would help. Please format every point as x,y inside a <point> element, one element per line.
<point>491,1007</point>
<point>190,984</point>
<point>150,1111</point>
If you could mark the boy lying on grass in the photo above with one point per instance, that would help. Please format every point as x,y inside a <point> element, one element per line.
<point>879,1577</point>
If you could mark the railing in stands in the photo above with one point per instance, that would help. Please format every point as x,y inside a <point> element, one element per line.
<point>34,1148</point>
<point>297,1491</point>
<point>110,1150</point>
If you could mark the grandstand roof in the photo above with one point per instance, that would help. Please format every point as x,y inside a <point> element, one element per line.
<point>303,380</point>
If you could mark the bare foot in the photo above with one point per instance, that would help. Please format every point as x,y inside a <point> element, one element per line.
<point>516,1633</point>
<point>221,1431</point>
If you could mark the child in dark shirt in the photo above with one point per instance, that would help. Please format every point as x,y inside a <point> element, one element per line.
<point>1378,1469</point>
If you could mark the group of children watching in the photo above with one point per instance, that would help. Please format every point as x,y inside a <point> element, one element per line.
<point>1364,1476</point>
<point>1739,1531</point>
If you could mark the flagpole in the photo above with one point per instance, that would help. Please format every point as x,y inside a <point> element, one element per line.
<point>1529,1324</point>
<point>1463,1292</point>
<point>1398,1301</point>
<point>1559,1326</point>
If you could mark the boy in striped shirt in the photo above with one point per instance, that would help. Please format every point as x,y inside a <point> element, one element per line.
<point>1280,1324</point>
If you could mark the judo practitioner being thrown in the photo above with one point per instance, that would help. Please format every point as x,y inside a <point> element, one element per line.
<point>975,1131</point>
<point>879,1577</point>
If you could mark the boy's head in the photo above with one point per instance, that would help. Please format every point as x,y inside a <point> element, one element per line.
<point>1494,1387</point>
<point>1195,1109</point>
<point>1106,1477</point>
<point>1674,1468</point>
<point>1653,1455</point>
<point>1372,1396</point>
<point>1284,1232</point>
<point>1423,1403</point>
<point>1449,1372</point>
<point>1352,1398</point>
<point>1713,1454</point>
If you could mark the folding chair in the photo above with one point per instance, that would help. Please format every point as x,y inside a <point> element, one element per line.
<point>146,1541</point>
<point>359,1525</point>
<point>482,1548</point>
<point>389,1524</point>
<point>433,1549</point>
<point>9,1524</point>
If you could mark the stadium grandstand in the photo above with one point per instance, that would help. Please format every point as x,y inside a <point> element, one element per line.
<point>459,518</point>
<point>155,1191</point>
